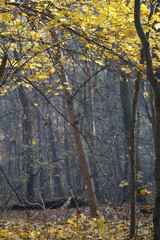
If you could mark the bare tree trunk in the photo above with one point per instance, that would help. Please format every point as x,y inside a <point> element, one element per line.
<point>68,169</point>
<point>78,142</point>
<point>91,129</point>
<point>41,156</point>
<point>156,92</point>
<point>58,189</point>
<point>133,159</point>
<point>84,163</point>
<point>27,141</point>
<point>126,105</point>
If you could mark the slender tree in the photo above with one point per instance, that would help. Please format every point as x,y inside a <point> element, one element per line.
<point>153,79</point>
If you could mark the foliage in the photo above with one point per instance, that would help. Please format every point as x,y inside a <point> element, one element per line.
<point>105,28</point>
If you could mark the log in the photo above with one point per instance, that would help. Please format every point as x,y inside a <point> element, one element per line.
<point>52,204</point>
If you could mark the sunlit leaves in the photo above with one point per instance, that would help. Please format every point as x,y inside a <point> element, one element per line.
<point>105,28</point>
<point>145,191</point>
<point>124,184</point>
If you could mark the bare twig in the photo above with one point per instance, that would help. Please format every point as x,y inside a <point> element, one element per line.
<point>5,176</point>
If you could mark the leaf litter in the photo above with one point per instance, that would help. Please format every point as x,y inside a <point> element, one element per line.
<point>74,224</point>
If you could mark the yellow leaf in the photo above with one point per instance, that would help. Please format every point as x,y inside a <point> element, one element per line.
<point>157,26</point>
<point>101,18</point>
<point>46,93</point>
<point>33,142</point>
<point>143,191</point>
<point>31,17</point>
<point>34,234</point>
<point>100,62</point>
<point>36,104</point>
<point>140,67</point>
<point>61,234</point>
<point>83,216</point>
<point>59,87</point>
<point>101,225</point>
<point>2,3</point>
<point>24,235</point>
<point>145,94</point>
<point>147,207</point>
<point>70,221</point>
<point>124,183</point>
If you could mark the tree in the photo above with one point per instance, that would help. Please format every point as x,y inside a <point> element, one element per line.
<point>27,143</point>
<point>106,29</point>
<point>78,142</point>
<point>153,79</point>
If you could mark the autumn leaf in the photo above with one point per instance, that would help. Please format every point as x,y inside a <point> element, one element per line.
<point>145,191</point>
<point>147,207</point>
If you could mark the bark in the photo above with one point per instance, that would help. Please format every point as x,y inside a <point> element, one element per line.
<point>133,159</point>
<point>27,141</point>
<point>68,169</point>
<point>2,68</point>
<point>78,143</point>
<point>126,105</point>
<point>153,111</point>
<point>58,189</point>
<point>156,92</point>
<point>91,129</point>
<point>84,163</point>
<point>41,156</point>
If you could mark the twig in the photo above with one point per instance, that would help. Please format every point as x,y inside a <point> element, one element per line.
<point>5,176</point>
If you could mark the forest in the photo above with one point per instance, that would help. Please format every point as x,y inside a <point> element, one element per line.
<point>80,119</point>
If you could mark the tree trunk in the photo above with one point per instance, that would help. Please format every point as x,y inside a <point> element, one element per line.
<point>156,218</point>
<point>84,163</point>
<point>156,92</point>
<point>78,143</point>
<point>68,169</point>
<point>41,157</point>
<point>126,105</point>
<point>27,141</point>
<point>133,159</point>
<point>91,128</point>
<point>58,189</point>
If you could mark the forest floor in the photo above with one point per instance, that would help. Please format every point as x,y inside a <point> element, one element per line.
<point>72,224</point>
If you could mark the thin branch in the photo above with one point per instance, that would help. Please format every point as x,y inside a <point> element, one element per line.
<point>5,176</point>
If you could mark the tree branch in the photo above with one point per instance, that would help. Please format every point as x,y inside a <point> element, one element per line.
<point>5,176</point>
<point>146,48</point>
<point>2,68</point>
